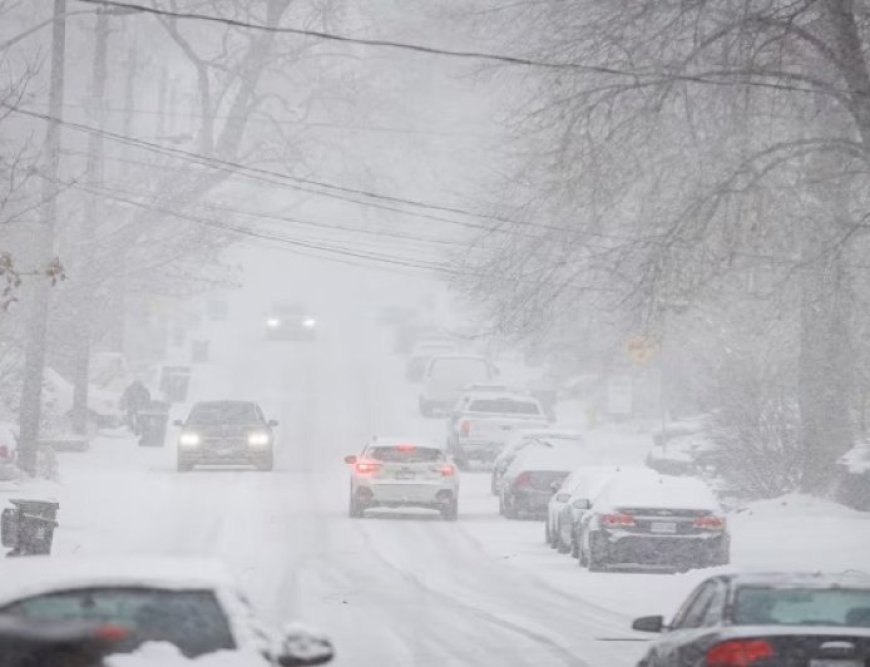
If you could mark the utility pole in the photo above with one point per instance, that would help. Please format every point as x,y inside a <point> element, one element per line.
<point>34,354</point>
<point>93,214</point>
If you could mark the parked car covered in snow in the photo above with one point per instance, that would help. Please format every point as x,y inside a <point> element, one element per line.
<point>194,605</point>
<point>415,366</point>
<point>681,448</point>
<point>522,438</point>
<point>806,620</point>
<point>654,521</point>
<point>534,476</point>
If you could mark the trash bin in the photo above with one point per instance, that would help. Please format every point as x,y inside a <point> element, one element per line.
<point>199,351</point>
<point>28,527</point>
<point>174,382</point>
<point>152,424</point>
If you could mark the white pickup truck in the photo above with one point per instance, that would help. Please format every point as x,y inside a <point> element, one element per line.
<point>479,432</point>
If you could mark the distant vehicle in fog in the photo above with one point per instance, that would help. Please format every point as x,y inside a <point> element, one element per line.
<point>446,376</point>
<point>571,500</point>
<point>523,437</point>
<point>226,433</point>
<point>191,604</point>
<point>291,322</point>
<point>394,472</point>
<point>534,476</point>
<point>654,521</point>
<point>479,433</point>
<point>415,367</point>
<point>776,619</point>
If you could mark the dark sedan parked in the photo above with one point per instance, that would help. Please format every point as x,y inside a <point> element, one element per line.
<point>226,433</point>
<point>766,620</point>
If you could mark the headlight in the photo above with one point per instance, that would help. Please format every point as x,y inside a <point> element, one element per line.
<point>259,439</point>
<point>189,440</point>
<point>309,323</point>
<point>273,323</point>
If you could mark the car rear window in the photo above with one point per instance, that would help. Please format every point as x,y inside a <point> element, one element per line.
<point>504,406</point>
<point>758,605</point>
<point>192,620</point>
<point>406,454</point>
<point>224,413</point>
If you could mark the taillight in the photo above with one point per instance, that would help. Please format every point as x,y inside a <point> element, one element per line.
<point>710,522</point>
<point>366,467</point>
<point>617,520</point>
<point>112,633</point>
<point>465,428</point>
<point>447,470</point>
<point>738,653</point>
<point>4,452</point>
<point>523,479</point>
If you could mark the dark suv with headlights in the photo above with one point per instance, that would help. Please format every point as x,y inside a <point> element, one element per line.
<point>226,433</point>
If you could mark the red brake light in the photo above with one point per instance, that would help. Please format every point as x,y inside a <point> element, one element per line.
<point>112,633</point>
<point>617,520</point>
<point>4,452</point>
<point>366,467</point>
<point>406,447</point>
<point>523,479</point>
<point>464,428</point>
<point>448,470</point>
<point>710,522</point>
<point>739,653</point>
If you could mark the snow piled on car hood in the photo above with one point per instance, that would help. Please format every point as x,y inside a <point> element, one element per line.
<point>167,655</point>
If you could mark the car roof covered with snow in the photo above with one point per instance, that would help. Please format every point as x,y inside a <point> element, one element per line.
<point>849,579</point>
<point>396,441</point>
<point>35,575</point>
<point>550,458</point>
<point>640,489</point>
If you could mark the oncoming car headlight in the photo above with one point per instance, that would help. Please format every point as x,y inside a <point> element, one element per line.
<point>309,323</point>
<point>259,439</point>
<point>189,439</point>
<point>273,323</point>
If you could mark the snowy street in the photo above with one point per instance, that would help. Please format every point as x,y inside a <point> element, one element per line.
<point>389,589</point>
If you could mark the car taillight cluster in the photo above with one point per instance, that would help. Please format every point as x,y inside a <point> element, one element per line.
<point>710,522</point>
<point>617,520</point>
<point>447,470</point>
<point>367,467</point>
<point>523,479</point>
<point>739,653</point>
<point>465,428</point>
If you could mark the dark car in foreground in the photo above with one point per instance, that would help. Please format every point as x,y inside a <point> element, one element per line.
<point>226,433</point>
<point>766,620</point>
<point>654,521</point>
<point>27,642</point>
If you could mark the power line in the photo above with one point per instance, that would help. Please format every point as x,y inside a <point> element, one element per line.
<point>715,79</point>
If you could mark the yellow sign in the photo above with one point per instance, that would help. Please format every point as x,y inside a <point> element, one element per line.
<point>641,350</point>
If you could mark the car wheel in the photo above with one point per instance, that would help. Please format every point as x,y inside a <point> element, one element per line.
<point>355,510</point>
<point>575,552</point>
<point>596,561</point>
<point>451,511</point>
<point>561,547</point>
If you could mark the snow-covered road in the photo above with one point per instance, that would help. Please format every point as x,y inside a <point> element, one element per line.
<point>391,589</point>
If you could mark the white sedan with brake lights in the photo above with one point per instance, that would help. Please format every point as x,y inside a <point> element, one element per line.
<point>393,472</point>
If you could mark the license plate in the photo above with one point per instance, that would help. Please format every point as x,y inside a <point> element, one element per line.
<point>836,663</point>
<point>405,474</point>
<point>663,527</point>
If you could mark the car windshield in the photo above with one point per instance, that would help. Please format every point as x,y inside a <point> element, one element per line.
<point>504,406</point>
<point>207,414</point>
<point>755,605</point>
<point>191,620</point>
<point>406,454</point>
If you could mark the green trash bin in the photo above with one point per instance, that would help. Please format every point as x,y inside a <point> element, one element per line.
<point>28,527</point>
<point>152,424</point>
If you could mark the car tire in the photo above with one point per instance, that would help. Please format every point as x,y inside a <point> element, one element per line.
<point>561,547</point>
<point>355,509</point>
<point>574,551</point>
<point>596,562</point>
<point>451,511</point>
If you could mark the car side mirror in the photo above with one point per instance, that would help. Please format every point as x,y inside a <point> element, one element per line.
<point>581,504</point>
<point>350,459</point>
<point>272,423</point>
<point>563,497</point>
<point>303,646</point>
<point>649,624</point>
<point>178,423</point>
